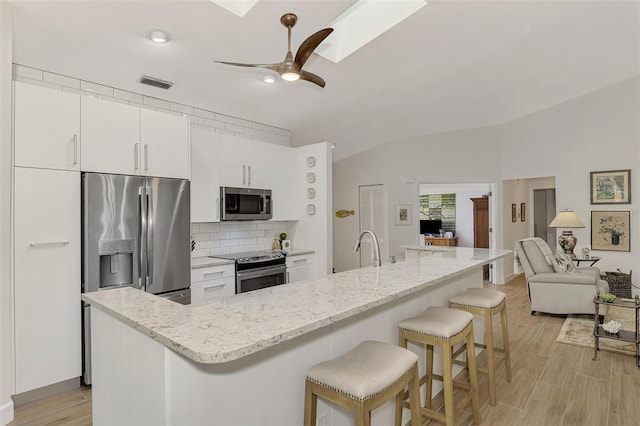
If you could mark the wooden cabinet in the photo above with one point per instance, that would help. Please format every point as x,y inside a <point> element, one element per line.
<point>123,139</point>
<point>46,127</point>
<point>211,282</point>
<point>441,241</point>
<point>299,267</point>
<point>47,277</point>
<point>480,222</point>
<point>205,179</point>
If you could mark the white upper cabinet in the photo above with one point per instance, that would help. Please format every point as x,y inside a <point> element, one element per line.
<point>233,169</point>
<point>205,182</point>
<point>119,138</point>
<point>110,137</point>
<point>46,128</point>
<point>164,145</point>
<point>281,180</point>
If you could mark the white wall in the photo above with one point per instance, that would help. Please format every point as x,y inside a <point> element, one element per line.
<point>6,370</point>
<point>597,131</point>
<point>470,156</point>
<point>464,206</point>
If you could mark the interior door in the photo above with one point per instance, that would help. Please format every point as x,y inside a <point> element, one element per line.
<point>544,210</point>
<point>372,218</point>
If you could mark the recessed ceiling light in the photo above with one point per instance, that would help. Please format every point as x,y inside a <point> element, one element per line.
<point>159,36</point>
<point>269,79</point>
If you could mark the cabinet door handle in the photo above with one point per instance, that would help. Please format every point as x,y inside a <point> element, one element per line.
<point>244,174</point>
<point>217,208</point>
<point>249,173</point>
<point>300,261</point>
<point>136,152</point>
<point>287,280</point>
<point>49,243</point>
<point>214,287</point>
<point>146,157</point>
<point>213,274</point>
<point>75,149</point>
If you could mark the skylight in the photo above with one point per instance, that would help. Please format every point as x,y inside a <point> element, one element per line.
<point>239,7</point>
<point>363,22</point>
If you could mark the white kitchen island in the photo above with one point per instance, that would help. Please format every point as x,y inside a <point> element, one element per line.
<point>242,360</point>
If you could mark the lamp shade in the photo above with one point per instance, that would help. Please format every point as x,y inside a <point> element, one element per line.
<point>566,219</point>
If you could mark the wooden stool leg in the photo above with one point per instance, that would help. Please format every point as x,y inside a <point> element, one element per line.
<point>310,405</point>
<point>505,341</point>
<point>447,379</point>
<point>488,336</point>
<point>429,376</point>
<point>414,398</point>
<point>398,419</point>
<point>473,377</point>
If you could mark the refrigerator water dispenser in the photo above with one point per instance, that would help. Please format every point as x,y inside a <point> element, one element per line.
<point>116,262</point>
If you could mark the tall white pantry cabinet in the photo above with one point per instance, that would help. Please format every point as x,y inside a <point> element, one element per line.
<point>58,135</point>
<point>46,237</point>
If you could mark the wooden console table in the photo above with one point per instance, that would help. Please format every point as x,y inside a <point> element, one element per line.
<point>441,241</point>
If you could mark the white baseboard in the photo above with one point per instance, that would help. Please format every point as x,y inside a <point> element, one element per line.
<point>6,413</point>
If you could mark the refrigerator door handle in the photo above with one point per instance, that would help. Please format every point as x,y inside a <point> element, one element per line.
<point>136,152</point>
<point>146,157</point>
<point>150,226</point>
<point>142,229</point>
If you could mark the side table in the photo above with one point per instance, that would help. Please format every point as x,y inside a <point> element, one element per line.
<point>621,335</point>
<point>592,259</point>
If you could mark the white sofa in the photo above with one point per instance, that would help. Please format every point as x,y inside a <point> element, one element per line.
<point>553,290</point>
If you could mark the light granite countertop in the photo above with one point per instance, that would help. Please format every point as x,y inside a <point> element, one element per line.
<point>203,262</point>
<point>226,329</point>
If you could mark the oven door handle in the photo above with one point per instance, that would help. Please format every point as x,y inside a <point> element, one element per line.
<point>261,272</point>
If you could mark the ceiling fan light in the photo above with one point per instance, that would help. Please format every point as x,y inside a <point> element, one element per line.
<point>290,76</point>
<point>269,79</point>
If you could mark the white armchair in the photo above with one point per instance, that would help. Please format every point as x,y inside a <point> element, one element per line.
<point>556,288</point>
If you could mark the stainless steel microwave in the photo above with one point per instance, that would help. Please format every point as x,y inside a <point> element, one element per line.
<point>245,203</point>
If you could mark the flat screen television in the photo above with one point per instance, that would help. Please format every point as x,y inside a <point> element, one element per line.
<point>432,226</point>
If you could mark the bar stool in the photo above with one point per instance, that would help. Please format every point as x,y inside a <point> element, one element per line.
<point>363,379</point>
<point>486,303</point>
<point>445,328</point>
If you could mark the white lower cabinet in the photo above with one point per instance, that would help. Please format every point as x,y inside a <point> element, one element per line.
<point>299,267</point>
<point>212,281</point>
<point>47,277</point>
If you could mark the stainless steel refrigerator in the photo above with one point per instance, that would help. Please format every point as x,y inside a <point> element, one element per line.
<point>135,233</point>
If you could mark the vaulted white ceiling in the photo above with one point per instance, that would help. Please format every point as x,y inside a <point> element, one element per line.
<point>451,65</point>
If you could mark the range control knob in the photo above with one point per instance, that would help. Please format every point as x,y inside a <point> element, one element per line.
<point>246,259</point>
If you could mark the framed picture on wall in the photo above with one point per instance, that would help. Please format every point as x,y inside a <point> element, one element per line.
<point>611,230</point>
<point>403,214</point>
<point>514,213</point>
<point>611,187</point>
<point>523,212</point>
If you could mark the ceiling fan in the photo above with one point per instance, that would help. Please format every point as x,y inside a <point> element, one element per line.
<point>291,69</point>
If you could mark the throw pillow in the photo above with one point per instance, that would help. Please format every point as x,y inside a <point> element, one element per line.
<point>563,263</point>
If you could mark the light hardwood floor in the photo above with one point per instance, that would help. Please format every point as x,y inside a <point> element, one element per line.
<point>553,383</point>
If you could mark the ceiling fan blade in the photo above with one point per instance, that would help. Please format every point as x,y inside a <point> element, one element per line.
<point>304,75</point>
<point>273,67</point>
<point>309,45</point>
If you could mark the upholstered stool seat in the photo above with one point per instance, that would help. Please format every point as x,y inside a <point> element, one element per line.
<point>445,328</point>
<point>486,303</point>
<point>362,379</point>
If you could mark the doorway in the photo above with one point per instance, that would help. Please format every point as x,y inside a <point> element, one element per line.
<point>544,210</point>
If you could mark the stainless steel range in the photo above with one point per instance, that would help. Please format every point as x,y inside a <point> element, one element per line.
<point>258,269</point>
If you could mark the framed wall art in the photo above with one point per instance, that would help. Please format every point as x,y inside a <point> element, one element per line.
<point>523,212</point>
<point>611,187</point>
<point>611,230</point>
<point>514,213</point>
<point>403,214</point>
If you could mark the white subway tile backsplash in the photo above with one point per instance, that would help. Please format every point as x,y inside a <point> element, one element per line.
<point>196,121</point>
<point>210,227</point>
<point>41,83</point>
<point>229,243</point>
<point>185,109</point>
<point>157,103</point>
<point>200,253</point>
<point>233,128</point>
<point>27,72</point>
<point>224,118</point>
<point>209,244</point>
<point>213,123</point>
<point>128,96</point>
<point>62,80</point>
<point>221,250</point>
<point>242,123</point>
<point>96,88</point>
<point>204,113</point>
<point>235,237</point>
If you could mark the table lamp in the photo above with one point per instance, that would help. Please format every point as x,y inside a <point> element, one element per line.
<point>567,219</point>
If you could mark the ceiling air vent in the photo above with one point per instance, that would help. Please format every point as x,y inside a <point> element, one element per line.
<point>156,82</point>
